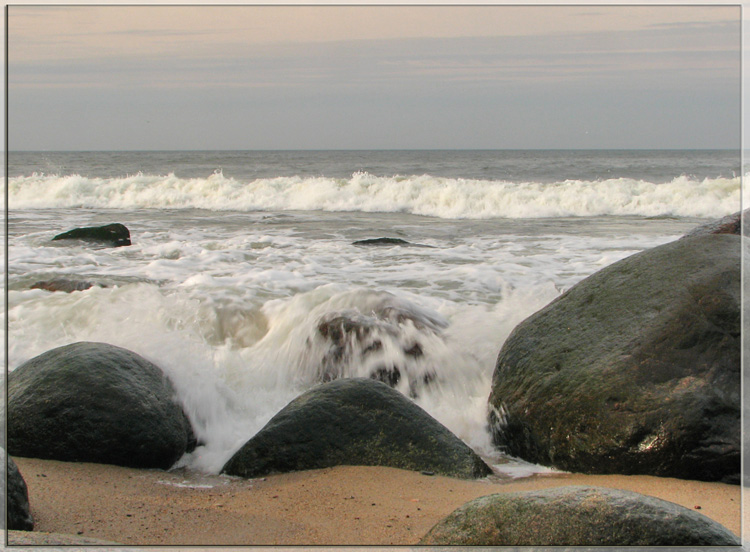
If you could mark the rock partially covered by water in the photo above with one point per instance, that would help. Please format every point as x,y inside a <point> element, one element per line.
<point>576,516</point>
<point>63,284</point>
<point>389,342</point>
<point>635,370</point>
<point>115,234</point>
<point>94,402</point>
<point>355,421</point>
<point>388,242</point>
<point>19,513</point>
<point>731,224</point>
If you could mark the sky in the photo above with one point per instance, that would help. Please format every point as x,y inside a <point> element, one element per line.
<point>373,77</point>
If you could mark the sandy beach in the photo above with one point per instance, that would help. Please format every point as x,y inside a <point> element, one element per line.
<point>344,505</point>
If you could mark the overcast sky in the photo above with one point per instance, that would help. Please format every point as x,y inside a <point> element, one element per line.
<point>373,77</point>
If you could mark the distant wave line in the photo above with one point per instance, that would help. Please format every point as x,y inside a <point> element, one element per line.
<point>426,195</point>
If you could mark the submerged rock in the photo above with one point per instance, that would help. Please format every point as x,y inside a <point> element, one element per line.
<point>576,516</point>
<point>19,513</point>
<point>634,370</point>
<point>63,284</point>
<point>388,242</point>
<point>113,234</point>
<point>94,402</point>
<point>379,341</point>
<point>355,421</point>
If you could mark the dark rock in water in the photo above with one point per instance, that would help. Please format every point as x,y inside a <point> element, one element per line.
<point>731,224</point>
<point>635,370</point>
<point>388,242</point>
<point>19,513</point>
<point>62,284</point>
<point>576,516</point>
<point>355,421</point>
<point>94,402</point>
<point>355,338</point>
<point>115,234</point>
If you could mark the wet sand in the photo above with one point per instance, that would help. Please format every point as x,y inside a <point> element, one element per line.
<point>345,505</point>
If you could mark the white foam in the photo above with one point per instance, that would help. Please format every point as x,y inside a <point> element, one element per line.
<point>230,311</point>
<point>421,195</point>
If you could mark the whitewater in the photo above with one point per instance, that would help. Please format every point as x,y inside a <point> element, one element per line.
<point>240,258</point>
<point>420,195</point>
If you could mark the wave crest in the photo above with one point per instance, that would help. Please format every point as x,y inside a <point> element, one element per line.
<point>420,195</point>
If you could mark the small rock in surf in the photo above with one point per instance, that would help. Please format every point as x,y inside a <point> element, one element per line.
<point>387,242</point>
<point>114,234</point>
<point>63,284</point>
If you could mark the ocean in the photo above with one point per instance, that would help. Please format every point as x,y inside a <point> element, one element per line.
<point>239,257</point>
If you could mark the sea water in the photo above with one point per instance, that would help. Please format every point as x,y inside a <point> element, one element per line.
<point>237,258</point>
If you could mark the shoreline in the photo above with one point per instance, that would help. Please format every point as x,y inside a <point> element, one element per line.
<point>343,505</point>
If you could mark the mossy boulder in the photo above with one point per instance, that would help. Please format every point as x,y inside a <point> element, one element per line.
<point>355,421</point>
<point>94,402</point>
<point>576,516</point>
<point>634,370</point>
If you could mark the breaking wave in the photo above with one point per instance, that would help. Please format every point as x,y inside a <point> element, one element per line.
<point>453,198</point>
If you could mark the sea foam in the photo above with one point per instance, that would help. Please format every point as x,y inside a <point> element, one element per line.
<point>450,198</point>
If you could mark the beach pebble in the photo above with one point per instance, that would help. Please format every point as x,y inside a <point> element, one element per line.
<point>354,421</point>
<point>634,370</point>
<point>94,402</point>
<point>576,516</point>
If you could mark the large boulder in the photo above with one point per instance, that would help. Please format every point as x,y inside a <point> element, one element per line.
<point>355,421</point>
<point>634,370</point>
<point>730,224</point>
<point>576,516</point>
<point>115,234</point>
<point>18,516</point>
<point>94,402</point>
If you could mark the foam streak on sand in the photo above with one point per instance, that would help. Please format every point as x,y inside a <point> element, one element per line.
<point>448,198</point>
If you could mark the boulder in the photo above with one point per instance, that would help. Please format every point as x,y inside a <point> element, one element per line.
<point>94,402</point>
<point>634,370</point>
<point>63,284</point>
<point>115,234</point>
<point>18,513</point>
<point>357,421</point>
<point>386,343</point>
<point>731,224</point>
<point>576,516</point>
